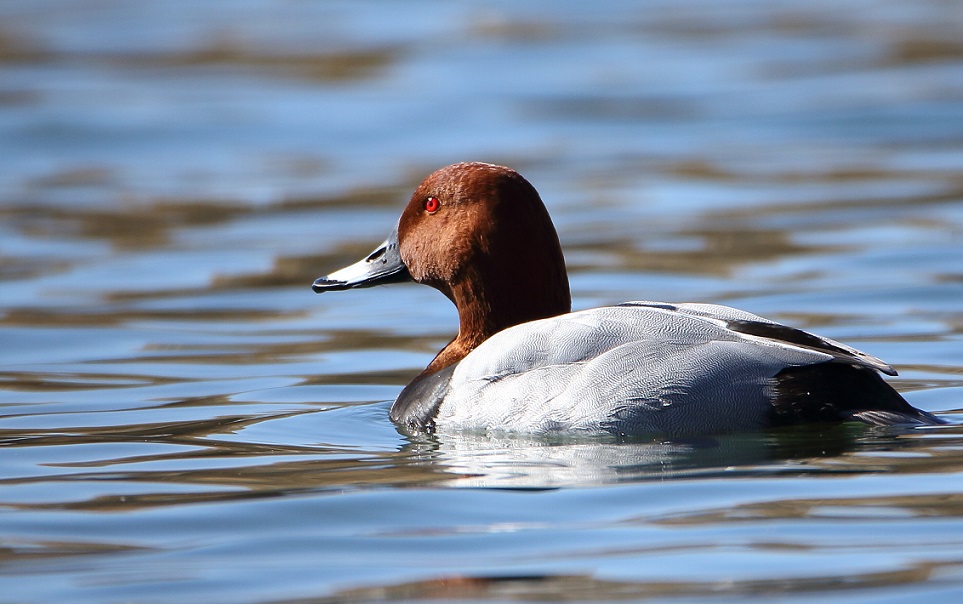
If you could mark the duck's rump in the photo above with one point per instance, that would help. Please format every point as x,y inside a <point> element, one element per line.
<point>653,368</point>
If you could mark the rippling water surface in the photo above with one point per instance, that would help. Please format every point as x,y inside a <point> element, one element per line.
<point>181,419</point>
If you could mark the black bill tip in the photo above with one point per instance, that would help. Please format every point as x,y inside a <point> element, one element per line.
<point>323,284</point>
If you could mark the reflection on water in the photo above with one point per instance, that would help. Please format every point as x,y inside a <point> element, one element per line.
<point>484,461</point>
<point>181,418</point>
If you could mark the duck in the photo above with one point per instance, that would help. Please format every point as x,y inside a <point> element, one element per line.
<point>523,362</point>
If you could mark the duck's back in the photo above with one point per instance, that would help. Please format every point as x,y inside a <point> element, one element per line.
<point>637,368</point>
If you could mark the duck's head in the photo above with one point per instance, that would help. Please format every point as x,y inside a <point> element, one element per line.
<point>480,234</point>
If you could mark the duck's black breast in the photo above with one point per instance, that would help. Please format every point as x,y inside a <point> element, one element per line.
<point>417,405</point>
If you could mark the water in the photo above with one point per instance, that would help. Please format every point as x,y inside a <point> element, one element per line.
<point>183,420</point>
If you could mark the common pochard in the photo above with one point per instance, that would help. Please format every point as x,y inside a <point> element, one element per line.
<point>523,362</point>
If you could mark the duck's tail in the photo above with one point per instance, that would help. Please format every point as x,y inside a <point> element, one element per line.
<point>834,391</point>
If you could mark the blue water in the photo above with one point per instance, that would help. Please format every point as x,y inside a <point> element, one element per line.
<point>181,419</point>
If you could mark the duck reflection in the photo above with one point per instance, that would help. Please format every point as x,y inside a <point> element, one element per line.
<point>476,460</point>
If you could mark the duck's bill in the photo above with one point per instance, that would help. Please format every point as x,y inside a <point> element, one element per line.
<point>382,266</point>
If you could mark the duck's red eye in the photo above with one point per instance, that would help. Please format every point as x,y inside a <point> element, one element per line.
<point>432,204</point>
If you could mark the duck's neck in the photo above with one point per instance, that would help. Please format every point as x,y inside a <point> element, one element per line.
<point>490,303</point>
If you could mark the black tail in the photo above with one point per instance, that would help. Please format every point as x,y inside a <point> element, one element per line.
<point>834,392</point>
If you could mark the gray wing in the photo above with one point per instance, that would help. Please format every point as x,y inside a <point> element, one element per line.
<point>754,326</point>
<point>638,367</point>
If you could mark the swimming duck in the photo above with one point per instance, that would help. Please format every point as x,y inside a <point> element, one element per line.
<point>522,362</point>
